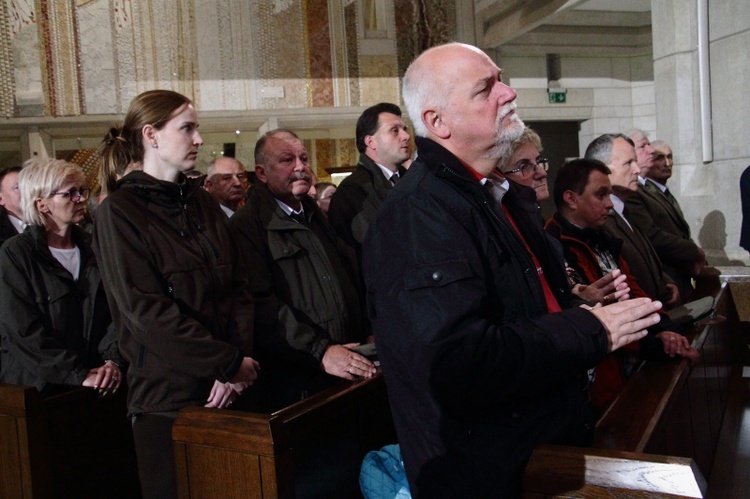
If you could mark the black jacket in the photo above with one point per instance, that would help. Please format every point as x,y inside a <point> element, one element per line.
<point>54,329</point>
<point>180,303</point>
<point>356,201</point>
<point>478,373</point>
<point>7,229</point>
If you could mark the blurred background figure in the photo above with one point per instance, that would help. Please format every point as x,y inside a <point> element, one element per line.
<point>227,183</point>
<point>11,222</point>
<point>325,191</point>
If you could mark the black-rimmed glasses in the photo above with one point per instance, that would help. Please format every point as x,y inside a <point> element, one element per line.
<point>528,168</point>
<point>74,194</point>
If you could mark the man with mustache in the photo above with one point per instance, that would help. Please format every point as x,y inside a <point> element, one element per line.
<point>383,143</point>
<point>226,181</point>
<point>308,300</point>
<point>481,364</point>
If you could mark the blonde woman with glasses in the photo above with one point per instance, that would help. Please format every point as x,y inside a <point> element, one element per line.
<point>54,318</point>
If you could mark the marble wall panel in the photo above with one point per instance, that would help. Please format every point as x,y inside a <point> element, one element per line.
<point>98,71</point>
<point>352,54</point>
<point>375,83</point>
<point>325,156</point>
<point>157,43</point>
<point>346,152</point>
<point>227,52</point>
<point>318,52</point>
<point>421,25</point>
<point>61,79</point>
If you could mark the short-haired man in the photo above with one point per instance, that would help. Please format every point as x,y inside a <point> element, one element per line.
<point>10,203</point>
<point>308,298</point>
<point>656,212</point>
<point>383,144</point>
<point>226,181</point>
<point>617,151</point>
<point>643,150</point>
<point>478,371</point>
<point>582,195</point>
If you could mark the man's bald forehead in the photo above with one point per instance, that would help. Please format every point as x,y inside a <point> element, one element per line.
<point>224,165</point>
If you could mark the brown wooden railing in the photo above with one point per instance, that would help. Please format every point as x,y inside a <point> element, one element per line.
<point>660,436</point>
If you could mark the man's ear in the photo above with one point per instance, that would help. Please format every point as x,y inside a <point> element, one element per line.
<point>435,124</point>
<point>571,199</point>
<point>260,173</point>
<point>368,141</point>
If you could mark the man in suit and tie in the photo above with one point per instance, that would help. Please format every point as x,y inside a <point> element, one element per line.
<point>10,204</point>
<point>656,212</point>
<point>618,152</point>
<point>383,143</point>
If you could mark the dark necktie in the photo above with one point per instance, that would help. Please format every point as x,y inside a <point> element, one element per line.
<point>394,178</point>
<point>299,218</point>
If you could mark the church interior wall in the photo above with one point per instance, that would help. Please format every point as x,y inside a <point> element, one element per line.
<point>708,188</point>
<point>313,65</point>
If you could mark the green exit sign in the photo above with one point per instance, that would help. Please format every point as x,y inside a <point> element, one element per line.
<point>557,97</point>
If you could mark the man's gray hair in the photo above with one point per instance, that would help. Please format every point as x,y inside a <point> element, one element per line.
<point>421,89</point>
<point>636,134</point>
<point>600,148</point>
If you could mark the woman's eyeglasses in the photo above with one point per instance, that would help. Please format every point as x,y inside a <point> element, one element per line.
<point>74,194</point>
<point>528,168</point>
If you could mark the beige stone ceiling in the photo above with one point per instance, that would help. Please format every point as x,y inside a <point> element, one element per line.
<point>566,27</point>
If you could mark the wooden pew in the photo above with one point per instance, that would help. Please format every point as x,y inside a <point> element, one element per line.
<point>311,449</point>
<point>73,444</point>
<point>659,438</point>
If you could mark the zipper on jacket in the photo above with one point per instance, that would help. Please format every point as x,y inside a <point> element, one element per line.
<point>203,240</point>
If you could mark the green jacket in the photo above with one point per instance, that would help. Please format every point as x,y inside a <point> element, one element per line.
<point>304,282</point>
<point>54,329</point>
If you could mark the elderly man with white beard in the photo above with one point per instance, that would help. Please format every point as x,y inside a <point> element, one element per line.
<point>481,363</point>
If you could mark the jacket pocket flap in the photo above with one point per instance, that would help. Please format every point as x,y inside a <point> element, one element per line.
<point>437,275</point>
<point>281,249</point>
<point>51,294</point>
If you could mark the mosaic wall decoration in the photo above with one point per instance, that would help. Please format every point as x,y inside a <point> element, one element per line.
<point>325,156</point>
<point>352,54</point>
<point>346,152</point>
<point>421,25</point>
<point>317,45</point>
<point>7,81</point>
<point>89,161</point>
<point>227,53</point>
<point>58,41</point>
<point>223,54</point>
<point>154,47</point>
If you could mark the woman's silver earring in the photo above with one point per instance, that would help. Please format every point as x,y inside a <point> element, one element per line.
<point>155,145</point>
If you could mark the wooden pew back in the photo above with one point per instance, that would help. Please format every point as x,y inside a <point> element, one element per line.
<point>74,444</point>
<point>310,449</point>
